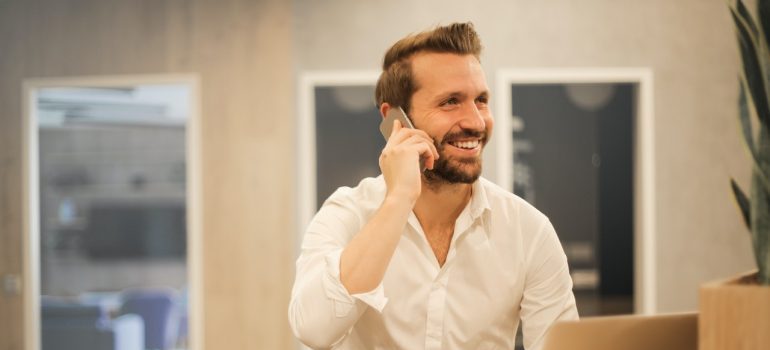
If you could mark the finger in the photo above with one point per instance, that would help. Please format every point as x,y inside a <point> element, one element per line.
<point>403,134</point>
<point>423,137</point>
<point>430,163</point>
<point>400,133</point>
<point>420,133</point>
<point>396,127</point>
<point>426,154</point>
<point>434,150</point>
<point>430,141</point>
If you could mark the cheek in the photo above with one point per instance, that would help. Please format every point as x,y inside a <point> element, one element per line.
<point>490,123</point>
<point>438,132</point>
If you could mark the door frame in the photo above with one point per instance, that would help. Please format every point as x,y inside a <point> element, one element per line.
<point>31,191</point>
<point>645,288</point>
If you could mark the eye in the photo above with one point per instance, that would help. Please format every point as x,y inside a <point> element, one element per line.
<point>450,101</point>
<point>482,100</point>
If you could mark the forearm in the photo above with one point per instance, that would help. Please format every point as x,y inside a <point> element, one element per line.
<point>323,306</point>
<point>366,257</point>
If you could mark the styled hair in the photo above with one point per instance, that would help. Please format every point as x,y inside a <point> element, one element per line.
<point>396,84</point>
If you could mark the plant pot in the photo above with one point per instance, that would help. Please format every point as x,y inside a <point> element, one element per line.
<point>734,314</point>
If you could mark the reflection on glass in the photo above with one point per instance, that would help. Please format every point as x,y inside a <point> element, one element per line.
<point>112,167</point>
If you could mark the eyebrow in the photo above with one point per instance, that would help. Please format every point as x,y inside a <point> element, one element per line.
<point>444,96</point>
<point>458,94</point>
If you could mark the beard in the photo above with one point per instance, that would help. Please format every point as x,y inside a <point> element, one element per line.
<point>452,170</point>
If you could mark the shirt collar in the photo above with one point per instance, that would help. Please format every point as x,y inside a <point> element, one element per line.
<point>479,203</point>
<point>475,212</point>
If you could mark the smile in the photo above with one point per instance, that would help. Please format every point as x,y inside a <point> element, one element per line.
<point>466,144</point>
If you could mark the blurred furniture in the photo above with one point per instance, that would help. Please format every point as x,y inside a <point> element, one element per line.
<point>73,326</point>
<point>158,309</point>
<point>109,301</point>
<point>184,318</point>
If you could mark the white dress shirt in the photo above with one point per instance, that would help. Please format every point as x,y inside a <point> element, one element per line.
<point>505,263</point>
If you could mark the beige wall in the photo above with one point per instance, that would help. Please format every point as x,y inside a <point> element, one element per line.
<point>689,44</point>
<point>241,50</point>
<point>247,53</point>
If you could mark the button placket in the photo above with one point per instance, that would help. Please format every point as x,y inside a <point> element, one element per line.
<point>435,319</point>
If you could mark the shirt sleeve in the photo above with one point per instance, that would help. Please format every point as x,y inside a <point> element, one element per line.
<point>321,311</point>
<point>548,296</point>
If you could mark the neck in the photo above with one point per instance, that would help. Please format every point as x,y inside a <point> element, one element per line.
<point>439,205</point>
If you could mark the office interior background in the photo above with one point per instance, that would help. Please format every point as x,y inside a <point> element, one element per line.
<point>247,64</point>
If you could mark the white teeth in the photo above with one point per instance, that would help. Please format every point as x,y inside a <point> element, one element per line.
<point>466,144</point>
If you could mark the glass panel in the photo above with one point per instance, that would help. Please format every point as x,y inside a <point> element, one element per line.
<point>573,159</point>
<point>112,167</point>
<point>348,139</point>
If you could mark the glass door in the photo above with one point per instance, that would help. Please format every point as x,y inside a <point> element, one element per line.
<point>112,215</point>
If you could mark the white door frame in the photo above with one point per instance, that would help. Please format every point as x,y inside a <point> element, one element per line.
<point>644,156</point>
<point>31,247</point>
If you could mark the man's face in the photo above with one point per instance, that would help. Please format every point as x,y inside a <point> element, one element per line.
<point>450,104</point>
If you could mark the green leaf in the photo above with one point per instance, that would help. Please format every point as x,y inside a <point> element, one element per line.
<point>763,9</point>
<point>745,118</point>
<point>760,227</point>
<point>748,136</point>
<point>743,203</point>
<point>752,69</point>
<point>743,12</point>
<point>757,37</point>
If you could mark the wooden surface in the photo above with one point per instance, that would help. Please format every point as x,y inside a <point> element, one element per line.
<point>734,316</point>
<point>628,332</point>
<point>241,49</point>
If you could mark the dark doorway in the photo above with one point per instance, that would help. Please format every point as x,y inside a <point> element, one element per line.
<point>348,139</point>
<point>573,159</point>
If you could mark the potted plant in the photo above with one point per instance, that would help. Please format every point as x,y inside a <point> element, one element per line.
<point>735,314</point>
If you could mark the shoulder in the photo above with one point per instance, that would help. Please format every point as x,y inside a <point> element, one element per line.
<point>368,194</point>
<point>344,213</point>
<point>515,223</point>
<point>503,202</point>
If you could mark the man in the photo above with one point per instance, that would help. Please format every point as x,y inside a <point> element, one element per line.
<point>434,259</point>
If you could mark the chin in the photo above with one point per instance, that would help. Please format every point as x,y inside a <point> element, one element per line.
<point>455,171</point>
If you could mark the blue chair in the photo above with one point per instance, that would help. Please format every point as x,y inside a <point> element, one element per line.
<point>158,309</point>
<point>73,326</point>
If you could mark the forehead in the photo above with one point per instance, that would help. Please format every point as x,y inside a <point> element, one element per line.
<point>437,73</point>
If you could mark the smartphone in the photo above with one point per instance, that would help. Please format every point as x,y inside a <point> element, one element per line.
<point>386,126</point>
<point>395,113</point>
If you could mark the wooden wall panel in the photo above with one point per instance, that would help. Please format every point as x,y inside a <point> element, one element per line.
<point>11,306</point>
<point>241,50</point>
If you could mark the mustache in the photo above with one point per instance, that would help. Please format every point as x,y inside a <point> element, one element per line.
<point>465,133</point>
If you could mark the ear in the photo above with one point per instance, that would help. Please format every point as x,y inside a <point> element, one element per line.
<point>384,108</point>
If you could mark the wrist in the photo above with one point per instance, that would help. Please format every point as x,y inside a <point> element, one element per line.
<point>400,199</point>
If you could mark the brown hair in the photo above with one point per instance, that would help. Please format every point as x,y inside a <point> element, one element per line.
<point>396,83</point>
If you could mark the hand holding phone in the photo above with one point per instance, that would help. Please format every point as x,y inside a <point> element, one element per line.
<point>405,143</point>
<point>395,113</point>
<point>386,126</point>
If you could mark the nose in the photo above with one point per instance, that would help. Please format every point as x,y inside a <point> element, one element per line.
<point>473,119</point>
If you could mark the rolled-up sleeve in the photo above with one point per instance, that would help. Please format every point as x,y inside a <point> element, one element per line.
<point>548,296</point>
<point>321,311</point>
